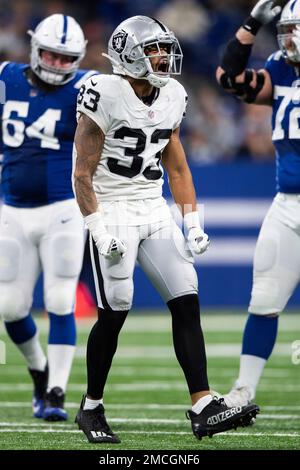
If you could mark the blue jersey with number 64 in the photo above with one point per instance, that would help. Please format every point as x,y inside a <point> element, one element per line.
<point>286,122</point>
<point>37,137</point>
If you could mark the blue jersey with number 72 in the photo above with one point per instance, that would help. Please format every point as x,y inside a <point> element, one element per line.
<point>286,122</point>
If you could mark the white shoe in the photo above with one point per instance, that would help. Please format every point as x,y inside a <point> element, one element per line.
<point>239,395</point>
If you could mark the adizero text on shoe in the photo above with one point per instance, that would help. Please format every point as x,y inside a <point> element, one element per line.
<point>94,425</point>
<point>218,417</point>
<point>40,381</point>
<point>54,405</point>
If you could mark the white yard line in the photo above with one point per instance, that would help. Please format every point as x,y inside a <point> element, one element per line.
<point>146,386</point>
<point>182,433</point>
<point>212,349</point>
<point>142,421</point>
<point>160,371</point>
<point>144,406</point>
<point>139,322</point>
<point>157,371</point>
<point>281,407</point>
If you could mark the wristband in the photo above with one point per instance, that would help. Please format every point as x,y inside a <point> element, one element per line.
<point>252,25</point>
<point>191,220</point>
<point>95,224</point>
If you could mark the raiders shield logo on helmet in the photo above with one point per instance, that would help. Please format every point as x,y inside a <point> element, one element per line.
<point>119,41</point>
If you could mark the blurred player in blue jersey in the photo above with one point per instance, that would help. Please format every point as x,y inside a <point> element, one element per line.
<point>41,226</point>
<point>277,255</point>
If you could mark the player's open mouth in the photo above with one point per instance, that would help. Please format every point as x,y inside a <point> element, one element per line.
<point>163,67</point>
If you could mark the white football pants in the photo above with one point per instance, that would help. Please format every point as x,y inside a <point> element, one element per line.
<point>276,270</point>
<point>48,238</point>
<point>160,249</point>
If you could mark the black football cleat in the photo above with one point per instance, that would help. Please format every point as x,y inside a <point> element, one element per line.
<point>94,425</point>
<point>218,417</point>
<point>54,405</point>
<point>40,382</point>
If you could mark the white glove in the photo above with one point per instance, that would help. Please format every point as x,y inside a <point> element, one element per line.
<point>108,245</point>
<point>198,241</point>
<point>265,11</point>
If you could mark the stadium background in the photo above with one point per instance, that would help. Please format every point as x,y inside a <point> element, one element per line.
<point>228,144</point>
<point>232,160</point>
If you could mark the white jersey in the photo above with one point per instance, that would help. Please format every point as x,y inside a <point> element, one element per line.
<point>135,135</point>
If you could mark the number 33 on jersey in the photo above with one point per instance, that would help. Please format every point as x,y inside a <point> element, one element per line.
<point>135,134</point>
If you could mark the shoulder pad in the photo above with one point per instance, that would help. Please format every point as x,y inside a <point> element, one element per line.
<point>2,66</point>
<point>82,76</point>
<point>275,56</point>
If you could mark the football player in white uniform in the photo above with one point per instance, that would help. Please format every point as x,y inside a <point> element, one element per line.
<point>128,122</point>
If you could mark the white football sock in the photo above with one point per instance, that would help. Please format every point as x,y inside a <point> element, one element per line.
<point>33,353</point>
<point>90,404</point>
<point>251,368</point>
<point>60,358</point>
<point>201,403</point>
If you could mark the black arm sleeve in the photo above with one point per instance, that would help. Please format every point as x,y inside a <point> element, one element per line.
<point>236,57</point>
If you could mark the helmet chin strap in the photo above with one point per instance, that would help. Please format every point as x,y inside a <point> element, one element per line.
<point>157,81</point>
<point>154,80</point>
